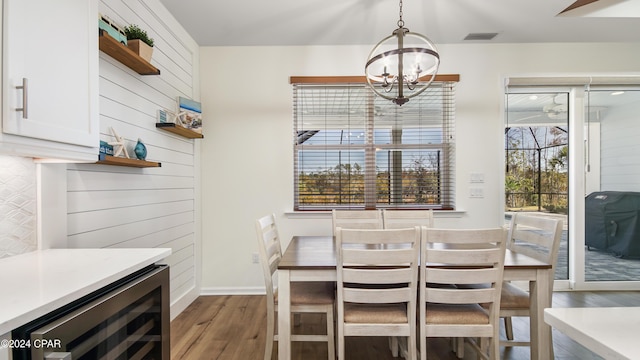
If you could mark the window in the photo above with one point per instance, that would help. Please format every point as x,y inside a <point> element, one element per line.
<point>355,150</point>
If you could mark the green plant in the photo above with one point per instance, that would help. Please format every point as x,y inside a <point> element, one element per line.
<point>134,32</point>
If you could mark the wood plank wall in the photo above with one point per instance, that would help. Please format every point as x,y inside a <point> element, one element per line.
<point>112,206</point>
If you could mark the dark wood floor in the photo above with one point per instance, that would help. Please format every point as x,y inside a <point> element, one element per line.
<point>233,328</point>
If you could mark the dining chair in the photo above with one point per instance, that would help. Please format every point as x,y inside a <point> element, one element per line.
<point>377,285</point>
<point>397,219</point>
<point>537,237</point>
<point>356,219</point>
<point>469,257</point>
<point>306,297</point>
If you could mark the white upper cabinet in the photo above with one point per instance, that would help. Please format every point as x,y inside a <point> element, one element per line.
<point>50,79</point>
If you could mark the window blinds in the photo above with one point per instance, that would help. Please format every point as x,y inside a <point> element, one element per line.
<point>355,150</point>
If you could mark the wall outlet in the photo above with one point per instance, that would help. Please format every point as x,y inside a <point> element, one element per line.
<point>255,258</point>
<point>476,193</point>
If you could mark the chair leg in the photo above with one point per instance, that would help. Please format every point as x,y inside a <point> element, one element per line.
<point>268,349</point>
<point>484,348</point>
<point>331,338</point>
<point>459,347</point>
<point>393,345</point>
<point>412,348</point>
<point>340,339</point>
<point>508,328</point>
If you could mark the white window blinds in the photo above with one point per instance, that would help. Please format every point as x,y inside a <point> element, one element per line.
<point>355,150</point>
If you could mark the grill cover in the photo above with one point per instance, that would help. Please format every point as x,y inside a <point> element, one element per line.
<point>612,222</point>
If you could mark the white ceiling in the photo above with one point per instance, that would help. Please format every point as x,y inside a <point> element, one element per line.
<point>351,22</point>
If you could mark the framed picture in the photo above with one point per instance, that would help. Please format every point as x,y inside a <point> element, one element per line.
<point>166,116</point>
<point>190,114</point>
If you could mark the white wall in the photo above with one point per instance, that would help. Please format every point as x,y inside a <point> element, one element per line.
<point>113,206</point>
<point>247,169</point>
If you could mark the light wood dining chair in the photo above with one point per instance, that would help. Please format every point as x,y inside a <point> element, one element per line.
<point>537,237</point>
<point>398,219</point>
<point>377,285</point>
<point>306,297</point>
<point>462,256</point>
<point>356,219</point>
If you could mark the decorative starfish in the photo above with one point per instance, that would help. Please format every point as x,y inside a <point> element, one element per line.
<point>181,119</point>
<point>118,146</point>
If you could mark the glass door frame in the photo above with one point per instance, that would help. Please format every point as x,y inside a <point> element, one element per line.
<point>578,139</point>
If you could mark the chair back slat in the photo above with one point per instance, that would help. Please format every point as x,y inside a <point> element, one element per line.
<point>356,219</point>
<point>377,256</point>
<point>449,276</point>
<point>462,257</point>
<point>363,276</point>
<point>377,296</point>
<point>535,236</point>
<point>398,219</point>
<point>468,296</point>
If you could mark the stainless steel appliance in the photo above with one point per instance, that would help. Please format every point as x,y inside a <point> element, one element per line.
<point>128,319</point>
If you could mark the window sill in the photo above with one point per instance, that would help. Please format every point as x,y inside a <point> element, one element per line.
<point>327,214</point>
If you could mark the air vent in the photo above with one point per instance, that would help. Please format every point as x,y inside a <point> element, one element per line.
<point>480,36</point>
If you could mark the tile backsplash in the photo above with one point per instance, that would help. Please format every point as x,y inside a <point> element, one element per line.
<point>17,205</point>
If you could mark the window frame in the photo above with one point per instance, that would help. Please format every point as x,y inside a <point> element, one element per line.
<point>446,149</point>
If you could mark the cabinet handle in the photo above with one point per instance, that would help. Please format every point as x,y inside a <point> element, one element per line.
<point>25,107</point>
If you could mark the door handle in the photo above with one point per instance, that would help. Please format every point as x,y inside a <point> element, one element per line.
<point>25,91</point>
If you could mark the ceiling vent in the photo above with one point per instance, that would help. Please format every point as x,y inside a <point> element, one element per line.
<point>480,36</point>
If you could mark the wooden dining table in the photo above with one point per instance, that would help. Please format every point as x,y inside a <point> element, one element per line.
<point>313,258</point>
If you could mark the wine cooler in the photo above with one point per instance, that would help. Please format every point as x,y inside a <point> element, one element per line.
<point>128,319</point>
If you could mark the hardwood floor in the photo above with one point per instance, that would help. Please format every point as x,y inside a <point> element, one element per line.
<point>233,327</point>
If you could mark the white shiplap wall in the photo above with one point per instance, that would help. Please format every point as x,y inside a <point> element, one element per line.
<point>112,206</point>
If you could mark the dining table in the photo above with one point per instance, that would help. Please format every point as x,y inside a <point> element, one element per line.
<point>313,258</point>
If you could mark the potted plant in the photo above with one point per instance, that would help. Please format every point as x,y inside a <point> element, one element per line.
<point>139,42</point>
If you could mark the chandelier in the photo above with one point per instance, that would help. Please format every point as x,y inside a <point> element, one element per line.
<point>398,73</point>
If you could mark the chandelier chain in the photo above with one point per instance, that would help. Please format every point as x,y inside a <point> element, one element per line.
<point>400,21</point>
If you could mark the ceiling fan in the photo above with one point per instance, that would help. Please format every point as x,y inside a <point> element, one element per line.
<point>578,4</point>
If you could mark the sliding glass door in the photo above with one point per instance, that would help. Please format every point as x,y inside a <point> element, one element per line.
<point>536,144</point>
<point>574,152</point>
<point>612,186</point>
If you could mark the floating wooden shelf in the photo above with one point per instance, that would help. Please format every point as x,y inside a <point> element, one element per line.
<point>122,53</point>
<point>182,131</point>
<point>119,161</point>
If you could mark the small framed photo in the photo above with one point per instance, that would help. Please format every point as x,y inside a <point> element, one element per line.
<point>166,116</point>
<point>190,114</point>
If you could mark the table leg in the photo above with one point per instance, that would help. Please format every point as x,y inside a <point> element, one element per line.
<point>540,332</point>
<point>284,315</point>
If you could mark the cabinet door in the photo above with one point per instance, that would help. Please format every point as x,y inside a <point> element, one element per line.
<point>53,46</point>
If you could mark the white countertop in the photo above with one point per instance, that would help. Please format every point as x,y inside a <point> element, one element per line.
<point>611,332</point>
<point>36,283</point>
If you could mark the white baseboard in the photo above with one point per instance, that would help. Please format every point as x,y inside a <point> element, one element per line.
<point>257,290</point>
<point>183,302</point>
